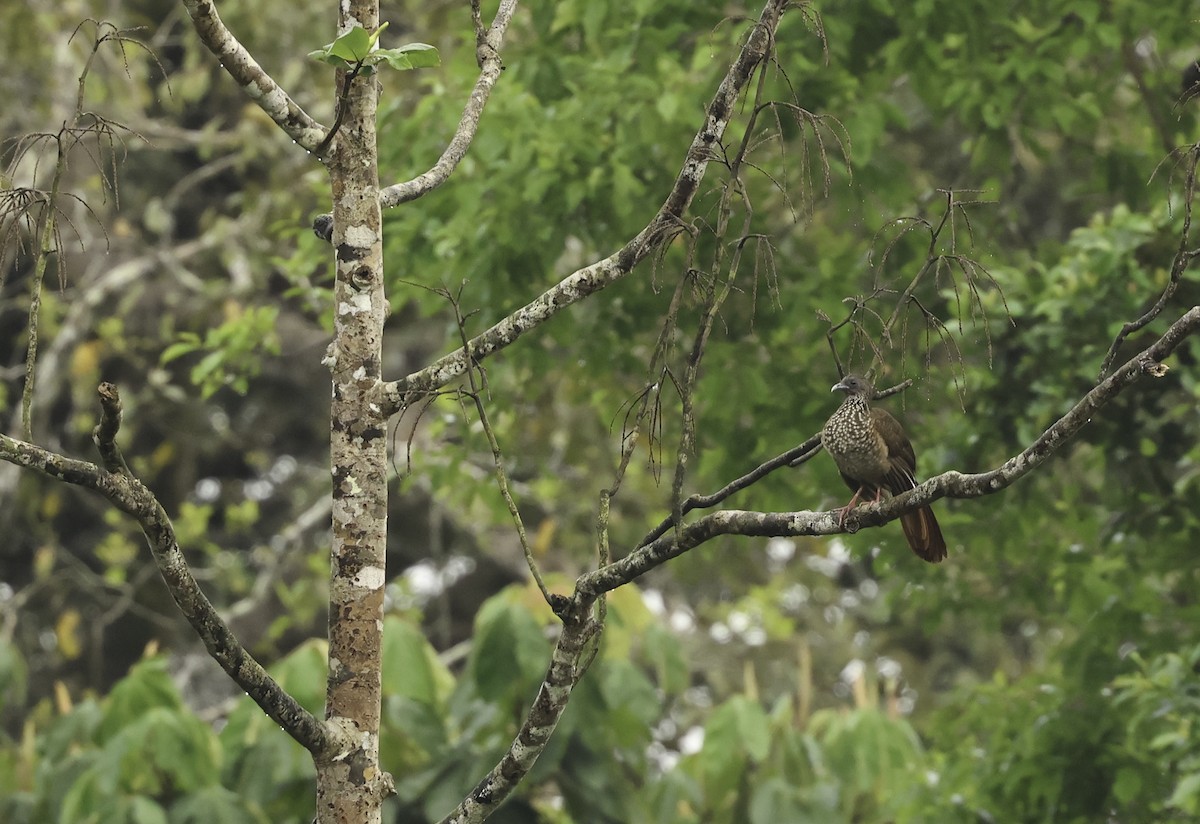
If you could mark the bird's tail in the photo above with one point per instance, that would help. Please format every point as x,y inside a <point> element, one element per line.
<point>924,535</point>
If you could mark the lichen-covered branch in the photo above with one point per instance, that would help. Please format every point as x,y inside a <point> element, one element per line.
<point>105,433</point>
<point>487,51</point>
<point>591,279</point>
<point>252,78</point>
<point>131,496</point>
<point>948,484</point>
<point>552,697</point>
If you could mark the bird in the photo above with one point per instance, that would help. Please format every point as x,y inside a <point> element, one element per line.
<point>874,456</point>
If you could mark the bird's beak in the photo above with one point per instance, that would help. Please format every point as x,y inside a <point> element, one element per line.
<point>840,386</point>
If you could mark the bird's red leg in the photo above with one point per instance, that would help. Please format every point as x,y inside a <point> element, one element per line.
<point>846,509</point>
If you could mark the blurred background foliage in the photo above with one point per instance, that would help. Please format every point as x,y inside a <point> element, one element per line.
<point>1046,672</point>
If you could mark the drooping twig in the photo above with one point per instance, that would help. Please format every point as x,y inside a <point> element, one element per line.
<point>716,296</point>
<point>81,125</point>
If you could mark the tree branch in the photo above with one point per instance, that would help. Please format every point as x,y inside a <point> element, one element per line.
<point>584,282</point>
<point>487,52</point>
<point>253,79</point>
<point>948,484</point>
<point>105,433</point>
<point>552,697</point>
<point>129,495</point>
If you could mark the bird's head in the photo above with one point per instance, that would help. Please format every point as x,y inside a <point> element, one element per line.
<point>854,385</point>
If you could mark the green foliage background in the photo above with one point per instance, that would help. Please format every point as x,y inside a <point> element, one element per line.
<point>1047,672</point>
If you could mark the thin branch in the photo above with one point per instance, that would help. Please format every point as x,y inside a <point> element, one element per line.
<point>343,104</point>
<point>948,484</point>
<point>253,79</point>
<point>476,395</point>
<point>591,279</point>
<point>131,496</point>
<point>487,53</point>
<point>1183,258</point>
<point>716,297</point>
<point>795,456</point>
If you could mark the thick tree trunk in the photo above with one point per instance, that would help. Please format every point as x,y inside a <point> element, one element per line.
<point>351,786</point>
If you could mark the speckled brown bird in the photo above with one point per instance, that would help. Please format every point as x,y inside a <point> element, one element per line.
<point>874,455</point>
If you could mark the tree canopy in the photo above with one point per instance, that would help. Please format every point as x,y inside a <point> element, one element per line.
<point>968,197</point>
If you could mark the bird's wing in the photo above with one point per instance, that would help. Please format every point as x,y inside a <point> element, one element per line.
<point>902,474</point>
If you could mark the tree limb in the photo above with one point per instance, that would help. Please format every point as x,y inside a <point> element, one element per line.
<point>948,484</point>
<point>394,395</point>
<point>552,697</point>
<point>131,496</point>
<point>487,51</point>
<point>253,79</point>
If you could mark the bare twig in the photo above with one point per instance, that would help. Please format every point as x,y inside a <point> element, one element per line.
<point>81,125</point>
<point>487,52</point>
<point>105,433</point>
<point>795,456</point>
<point>716,297</point>
<point>476,395</point>
<point>343,103</point>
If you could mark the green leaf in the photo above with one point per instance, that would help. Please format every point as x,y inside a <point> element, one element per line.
<point>357,48</point>
<point>737,732</point>
<point>1187,794</point>
<point>509,649</point>
<point>775,800</point>
<point>410,665</point>
<point>147,811</point>
<point>324,56</point>
<point>374,39</point>
<point>354,45</point>
<point>14,675</point>
<point>409,56</point>
<point>148,686</point>
<point>215,804</point>
<point>1127,785</point>
<point>189,342</point>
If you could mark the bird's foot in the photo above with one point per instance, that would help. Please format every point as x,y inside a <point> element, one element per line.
<point>842,513</point>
